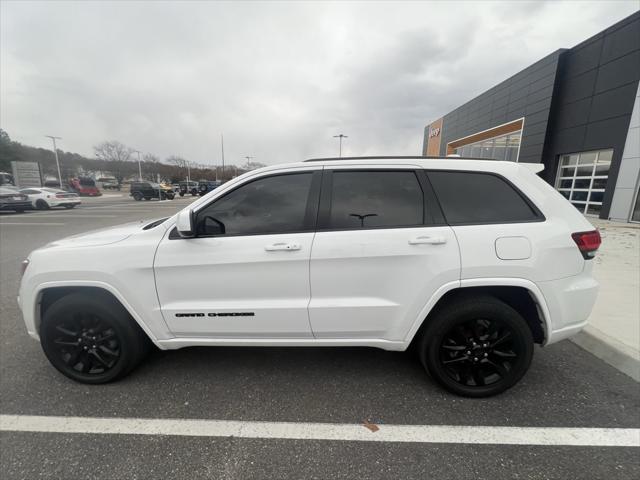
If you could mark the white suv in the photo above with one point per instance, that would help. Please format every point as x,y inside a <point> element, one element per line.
<point>469,262</point>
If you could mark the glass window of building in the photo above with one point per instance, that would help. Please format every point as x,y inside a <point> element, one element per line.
<point>582,179</point>
<point>635,215</point>
<point>502,147</point>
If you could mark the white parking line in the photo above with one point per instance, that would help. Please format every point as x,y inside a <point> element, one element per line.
<point>64,215</point>
<point>593,437</point>
<point>33,224</point>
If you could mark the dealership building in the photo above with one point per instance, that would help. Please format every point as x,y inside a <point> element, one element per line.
<point>577,111</point>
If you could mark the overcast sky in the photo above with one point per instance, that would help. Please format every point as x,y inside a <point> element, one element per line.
<point>279,79</point>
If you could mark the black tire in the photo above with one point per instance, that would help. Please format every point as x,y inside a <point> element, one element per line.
<point>458,347</point>
<point>75,323</point>
<point>69,206</point>
<point>42,205</point>
<point>137,196</point>
<point>181,194</point>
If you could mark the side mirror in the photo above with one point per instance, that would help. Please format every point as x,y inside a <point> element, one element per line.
<point>184,223</point>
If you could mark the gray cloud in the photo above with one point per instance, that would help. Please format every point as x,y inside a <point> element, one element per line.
<point>277,78</point>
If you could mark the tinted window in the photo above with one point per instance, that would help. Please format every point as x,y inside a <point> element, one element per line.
<point>270,205</point>
<point>468,197</point>
<point>376,199</point>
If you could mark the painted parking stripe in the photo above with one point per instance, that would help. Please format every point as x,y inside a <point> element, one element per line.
<point>594,437</point>
<point>67,215</point>
<point>40,224</point>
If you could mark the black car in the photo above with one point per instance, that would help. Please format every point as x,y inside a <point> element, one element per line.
<point>206,186</point>
<point>149,190</point>
<point>188,187</point>
<point>11,199</point>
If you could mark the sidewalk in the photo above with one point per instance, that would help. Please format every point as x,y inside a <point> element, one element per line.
<point>613,333</point>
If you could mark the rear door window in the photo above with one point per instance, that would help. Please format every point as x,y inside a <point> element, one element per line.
<point>375,199</point>
<point>477,198</point>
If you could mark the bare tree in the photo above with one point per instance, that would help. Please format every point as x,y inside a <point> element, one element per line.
<point>150,157</point>
<point>116,157</point>
<point>177,161</point>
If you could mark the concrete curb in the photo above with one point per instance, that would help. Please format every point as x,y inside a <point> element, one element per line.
<point>622,361</point>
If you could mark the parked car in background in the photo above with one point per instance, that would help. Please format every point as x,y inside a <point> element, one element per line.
<point>45,198</point>
<point>149,190</point>
<point>206,186</point>
<point>188,187</point>
<point>109,183</point>
<point>12,199</point>
<point>84,186</point>
<point>6,178</point>
<point>52,184</point>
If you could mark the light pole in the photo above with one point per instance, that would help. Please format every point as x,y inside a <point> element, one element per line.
<point>139,166</point>
<point>55,151</point>
<point>188,171</point>
<point>248,160</point>
<point>222,146</point>
<point>340,136</point>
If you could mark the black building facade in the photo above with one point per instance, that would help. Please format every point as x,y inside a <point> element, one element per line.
<point>576,111</point>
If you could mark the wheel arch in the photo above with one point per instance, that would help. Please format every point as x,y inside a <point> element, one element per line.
<point>48,294</point>
<point>520,294</point>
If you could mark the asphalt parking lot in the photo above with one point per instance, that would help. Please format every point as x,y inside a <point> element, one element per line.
<point>567,390</point>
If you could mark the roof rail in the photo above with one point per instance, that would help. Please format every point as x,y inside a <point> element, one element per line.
<point>400,157</point>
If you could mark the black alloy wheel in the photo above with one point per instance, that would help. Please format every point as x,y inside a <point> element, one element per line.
<point>91,338</point>
<point>478,347</point>
<point>86,344</point>
<point>479,352</point>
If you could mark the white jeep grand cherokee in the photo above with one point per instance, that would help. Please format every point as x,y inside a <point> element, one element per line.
<point>469,262</point>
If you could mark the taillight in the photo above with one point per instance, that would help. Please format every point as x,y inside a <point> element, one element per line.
<point>587,242</point>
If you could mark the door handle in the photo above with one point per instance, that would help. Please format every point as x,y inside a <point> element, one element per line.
<point>427,240</point>
<point>274,247</point>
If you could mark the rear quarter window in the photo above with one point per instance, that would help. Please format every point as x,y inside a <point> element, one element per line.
<point>480,198</point>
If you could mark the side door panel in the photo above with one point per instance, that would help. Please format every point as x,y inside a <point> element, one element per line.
<point>246,273</point>
<point>373,282</point>
<point>234,287</point>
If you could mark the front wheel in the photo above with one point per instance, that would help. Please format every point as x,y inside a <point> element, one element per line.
<point>477,347</point>
<point>91,339</point>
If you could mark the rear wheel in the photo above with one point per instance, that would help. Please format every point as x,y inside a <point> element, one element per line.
<point>91,339</point>
<point>42,205</point>
<point>137,196</point>
<point>477,347</point>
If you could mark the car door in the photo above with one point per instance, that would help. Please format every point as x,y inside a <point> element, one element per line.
<point>380,253</point>
<point>246,273</point>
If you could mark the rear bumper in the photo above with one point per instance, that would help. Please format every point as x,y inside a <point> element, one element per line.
<point>570,302</point>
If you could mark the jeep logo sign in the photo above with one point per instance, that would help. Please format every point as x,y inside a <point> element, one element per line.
<point>434,132</point>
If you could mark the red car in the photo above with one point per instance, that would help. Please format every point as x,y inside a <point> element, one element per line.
<point>84,186</point>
